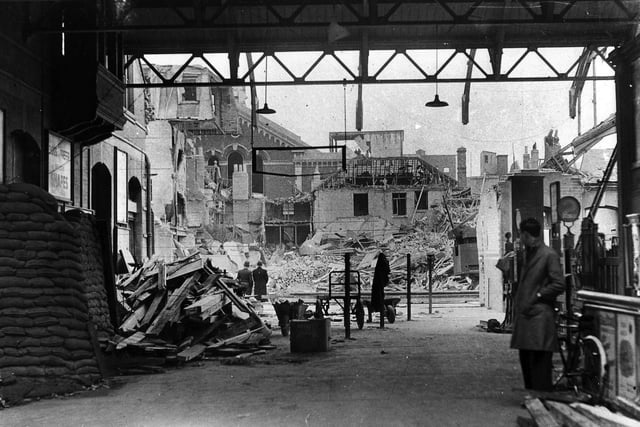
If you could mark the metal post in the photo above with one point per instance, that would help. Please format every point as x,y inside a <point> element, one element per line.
<point>430,262</point>
<point>382,307</point>
<point>408,286</point>
<point>347,296</point>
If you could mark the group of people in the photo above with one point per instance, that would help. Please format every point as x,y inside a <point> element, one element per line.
<point>252,282</point>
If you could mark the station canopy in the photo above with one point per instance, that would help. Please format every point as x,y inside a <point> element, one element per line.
<point>481,32</point>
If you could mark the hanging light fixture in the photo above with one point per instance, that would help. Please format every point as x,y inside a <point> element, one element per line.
<point>436,100</point>
<point>265,109</point>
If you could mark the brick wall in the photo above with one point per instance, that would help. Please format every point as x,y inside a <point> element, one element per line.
<point>335,204</point>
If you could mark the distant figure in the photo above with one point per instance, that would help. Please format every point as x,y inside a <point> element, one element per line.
<point>380,281</point>
<point>245,279</point>
<point>260,279</point>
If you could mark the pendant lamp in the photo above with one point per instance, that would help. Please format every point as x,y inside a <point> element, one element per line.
<point>265,109</point>
<point>436,100</point>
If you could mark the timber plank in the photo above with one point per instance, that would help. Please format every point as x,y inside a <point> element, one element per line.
<point>604,417</point>
<point>172,306</point>
<point>567,416</point>
<point>540,415</point>
<point>191,352</point>
<point>153,307</point>
<point>133,339</point>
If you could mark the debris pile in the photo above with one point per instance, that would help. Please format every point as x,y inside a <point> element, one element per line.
<point>183,310</point>
<point>293,273</point>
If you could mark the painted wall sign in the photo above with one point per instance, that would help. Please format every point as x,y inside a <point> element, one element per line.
<point>607,336</point>
<point>60,159</point>
<point>626,366</point>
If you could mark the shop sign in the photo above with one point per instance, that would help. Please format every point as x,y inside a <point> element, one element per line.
<point>60,167</point>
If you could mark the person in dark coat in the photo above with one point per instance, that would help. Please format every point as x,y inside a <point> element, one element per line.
<point>534,330</point>
<point>245,278</point>
<point>380,281</point>
<point>260,279</point>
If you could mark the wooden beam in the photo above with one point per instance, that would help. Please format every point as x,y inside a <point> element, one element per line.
<point>541,416</point>
<point>567,416</point>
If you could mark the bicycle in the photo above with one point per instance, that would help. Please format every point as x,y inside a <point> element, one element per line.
<point>584,360</point>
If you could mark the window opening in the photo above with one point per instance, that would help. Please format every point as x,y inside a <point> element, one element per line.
<point>360,204</point>
<point>399,201</point>
<point>421,200</point>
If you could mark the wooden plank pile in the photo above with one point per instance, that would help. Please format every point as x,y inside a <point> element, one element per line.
<point>184,310</point>
<point>550,413</point>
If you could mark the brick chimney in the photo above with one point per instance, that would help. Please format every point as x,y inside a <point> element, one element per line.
<point>526,157</point>
<point>240,183</point>
<point>462,167</point>
<point>535,158</point>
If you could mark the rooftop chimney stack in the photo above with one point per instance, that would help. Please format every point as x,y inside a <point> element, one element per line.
<point>535,158</point>
<point>462,167</point>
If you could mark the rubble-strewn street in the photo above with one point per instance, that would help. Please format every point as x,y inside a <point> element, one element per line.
<point>437,370</point>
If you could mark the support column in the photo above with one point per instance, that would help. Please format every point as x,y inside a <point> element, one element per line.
<point>627,66</point>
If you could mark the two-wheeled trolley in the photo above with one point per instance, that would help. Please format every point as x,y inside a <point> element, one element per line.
<point>336,292</point>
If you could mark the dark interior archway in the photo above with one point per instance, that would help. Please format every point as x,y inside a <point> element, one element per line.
<point>235,158</point>
<point>101,192</point>
<point>102,207</point>
<point>27,157</point>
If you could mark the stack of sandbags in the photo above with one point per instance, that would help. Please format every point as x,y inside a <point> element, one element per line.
<point>92,270</point>
<point>45,345</point>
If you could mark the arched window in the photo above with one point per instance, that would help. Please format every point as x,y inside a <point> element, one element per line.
<point>234,159</point>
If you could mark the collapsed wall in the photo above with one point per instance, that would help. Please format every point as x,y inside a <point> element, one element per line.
<point>45,345</point>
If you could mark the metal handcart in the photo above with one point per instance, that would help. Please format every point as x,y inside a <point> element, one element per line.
<point>336,293</point>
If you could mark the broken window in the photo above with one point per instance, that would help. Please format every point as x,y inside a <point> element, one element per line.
<point>189,93</point>
<point>421,200</point>
<point>287,209</point>
<point>399,201</point>
<point>360,204</point>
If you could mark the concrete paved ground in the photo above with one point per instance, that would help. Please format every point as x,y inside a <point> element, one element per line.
<point>437,370</point>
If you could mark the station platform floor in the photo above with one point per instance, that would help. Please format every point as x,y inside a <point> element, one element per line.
<point>438,369</point>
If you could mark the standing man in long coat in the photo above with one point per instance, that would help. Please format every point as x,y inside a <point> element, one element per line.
<point>534,331</point>
<point>380,281</point>
<point>260,279</point>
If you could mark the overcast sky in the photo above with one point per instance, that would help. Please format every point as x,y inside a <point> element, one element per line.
<point>503,117</point>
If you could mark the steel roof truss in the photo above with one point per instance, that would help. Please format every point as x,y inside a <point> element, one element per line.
<point>415,64</point>
<point>363,75</point>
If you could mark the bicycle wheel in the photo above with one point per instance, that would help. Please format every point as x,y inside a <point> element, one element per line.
<point>594,366</point>
<point>391,313</point>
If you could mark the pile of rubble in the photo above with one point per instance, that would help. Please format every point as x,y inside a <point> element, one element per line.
<point>183,310</point>
<point>291,272</point>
